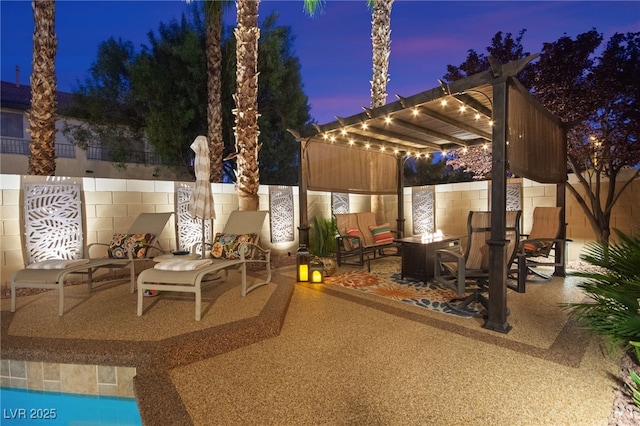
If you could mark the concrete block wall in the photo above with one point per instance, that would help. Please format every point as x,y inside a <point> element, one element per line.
<point>111,205</point>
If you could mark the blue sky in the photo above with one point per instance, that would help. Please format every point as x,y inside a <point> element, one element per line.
<point>334,47</point>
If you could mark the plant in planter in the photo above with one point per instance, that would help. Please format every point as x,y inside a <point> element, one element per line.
<point>322,242</point>
<point>614,311</point>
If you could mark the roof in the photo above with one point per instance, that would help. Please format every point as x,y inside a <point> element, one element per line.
<point>18,96</point>
<point>460,114</point>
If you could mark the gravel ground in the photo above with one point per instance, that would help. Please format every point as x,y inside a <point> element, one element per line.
<point>623,412</point>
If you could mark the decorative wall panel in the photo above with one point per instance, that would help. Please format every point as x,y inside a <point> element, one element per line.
<point>514,196</point>
<point>189,230</point>
<point>423,201</point>
<point>281,213</point>
<point>339,203</point>
<point>53,222</point>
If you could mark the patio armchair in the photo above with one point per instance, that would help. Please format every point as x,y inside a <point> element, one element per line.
<point>236,246</point>
<point>543,242</point>
<point>126,250</point>
<point>467,272</point>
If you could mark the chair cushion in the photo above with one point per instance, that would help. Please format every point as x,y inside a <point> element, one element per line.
<point>57,264</point>
<point>381,234</point>
<point>182,265</point>
<point>121,243</point>
<point>535,246</point>
<point>226,246</point>
<point>352,243</point>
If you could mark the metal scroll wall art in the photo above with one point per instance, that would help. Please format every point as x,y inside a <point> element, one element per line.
<point>189,230</point>
<point>423,201</point>
<point>339,203</point>
<point>53,222</point>
<point>281,214</point>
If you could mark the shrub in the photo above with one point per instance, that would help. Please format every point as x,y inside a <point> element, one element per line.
<point>322,237</point>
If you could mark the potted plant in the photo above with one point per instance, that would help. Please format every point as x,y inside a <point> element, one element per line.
<point>322,242</point>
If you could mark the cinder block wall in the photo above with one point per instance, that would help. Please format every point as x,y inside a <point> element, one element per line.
<point>111,205</point>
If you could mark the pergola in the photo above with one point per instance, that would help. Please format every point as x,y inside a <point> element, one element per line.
<point>365,153</point>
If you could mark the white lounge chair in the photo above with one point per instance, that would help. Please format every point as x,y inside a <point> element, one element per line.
<point>125,252</point>
<point>189,275</point>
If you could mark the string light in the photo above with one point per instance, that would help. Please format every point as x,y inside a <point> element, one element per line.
<point>367,145</point>
<point>351,142</point>
<point>364,126</point>
<point>387,120</point>
<point>343,132</point>
<point>415,112</point>
<point>443,102</point>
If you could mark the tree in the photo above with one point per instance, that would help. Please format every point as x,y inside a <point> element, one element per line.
<point>381,50</point>
<point>281,102</point>
<point>42,116</point>
<point>247,34</point>
<point>596,97</point>
<point>109,116</point>
<point>169,81</point>
<point>213,45</point>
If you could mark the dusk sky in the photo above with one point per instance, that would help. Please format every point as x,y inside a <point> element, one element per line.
<point>334,47</point>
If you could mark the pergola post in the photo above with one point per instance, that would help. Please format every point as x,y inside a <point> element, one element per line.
<point>400,220</point>
<point>561,249</point>
<point>497,310</point>
<point>303,228</point>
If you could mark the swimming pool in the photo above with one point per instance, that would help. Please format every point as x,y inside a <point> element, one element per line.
<point>20,406</point>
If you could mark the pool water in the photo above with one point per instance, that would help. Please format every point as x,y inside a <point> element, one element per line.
<point>21,406</point>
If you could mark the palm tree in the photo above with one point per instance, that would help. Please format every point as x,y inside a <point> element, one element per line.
<point>381,43</point>
<point>247,34</point>
<point>213,39</point>
<point>42,117</point>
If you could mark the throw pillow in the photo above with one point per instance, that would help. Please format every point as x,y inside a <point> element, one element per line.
<point>121,243</point>
<point>353,243</point>
<point>534,246</point>
<point>227,246</point>
<point>381,234</point>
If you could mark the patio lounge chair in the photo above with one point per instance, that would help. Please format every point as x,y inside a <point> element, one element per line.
<point>242,230</point>
<point>469,271</point>
<point>124,251</point>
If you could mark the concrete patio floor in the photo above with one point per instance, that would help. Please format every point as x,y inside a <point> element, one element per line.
<point>302,354</point>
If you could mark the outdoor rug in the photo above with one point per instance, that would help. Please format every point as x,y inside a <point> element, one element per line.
<point>384,281</point>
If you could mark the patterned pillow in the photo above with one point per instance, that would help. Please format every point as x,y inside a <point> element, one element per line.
<point>120,244</point>
<point>534,246</point>
<point>352,243</point>
<point>381,234</point>
<point>226,246</point>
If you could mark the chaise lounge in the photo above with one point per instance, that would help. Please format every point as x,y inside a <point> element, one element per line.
<point>236,246</point>
<point>125,250</point>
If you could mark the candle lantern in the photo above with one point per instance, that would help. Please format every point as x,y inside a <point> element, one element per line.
<point>316,271</point>
<point>302,263</point>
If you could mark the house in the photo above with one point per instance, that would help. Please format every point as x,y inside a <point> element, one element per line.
<point>94,161</point>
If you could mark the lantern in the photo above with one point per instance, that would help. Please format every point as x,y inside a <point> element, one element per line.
<point>302,263</point>
<point>316,271</point>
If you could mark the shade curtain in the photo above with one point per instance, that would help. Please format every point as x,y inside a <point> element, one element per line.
<point>537,148</point>
<point>336,168</point>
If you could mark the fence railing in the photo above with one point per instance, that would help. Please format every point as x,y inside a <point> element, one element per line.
<point>21,147</point>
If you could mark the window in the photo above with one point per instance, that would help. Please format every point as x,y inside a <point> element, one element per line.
<point>12,125</point>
